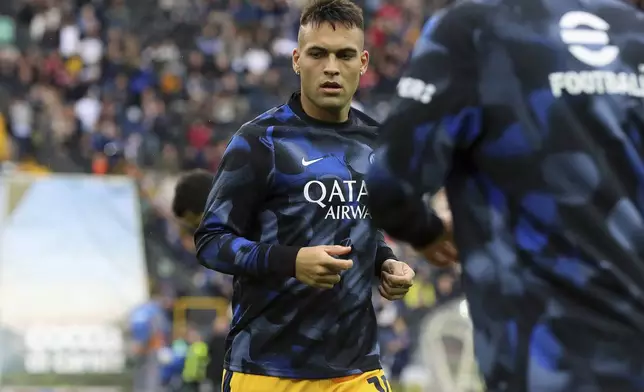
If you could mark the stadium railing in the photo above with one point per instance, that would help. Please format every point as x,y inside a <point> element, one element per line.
<point>183,306</point>
<point>447,350</point>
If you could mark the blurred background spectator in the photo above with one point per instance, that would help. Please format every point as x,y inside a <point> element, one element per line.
<point>150,88</point>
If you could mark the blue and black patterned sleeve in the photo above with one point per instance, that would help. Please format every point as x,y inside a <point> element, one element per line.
<point>383,253</point>
<point>225,238</point>
<point>434,114</point>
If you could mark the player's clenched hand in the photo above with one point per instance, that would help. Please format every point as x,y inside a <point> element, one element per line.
<point>442,252</point>
<point>396,278</point>
<point>316,266</point>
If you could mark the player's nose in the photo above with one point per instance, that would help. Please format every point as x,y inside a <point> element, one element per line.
<point>330,72</point>
<point>331,68</point>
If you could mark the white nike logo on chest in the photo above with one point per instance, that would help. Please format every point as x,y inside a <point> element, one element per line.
<point>309,163</point>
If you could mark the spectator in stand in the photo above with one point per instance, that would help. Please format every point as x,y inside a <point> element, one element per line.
<point>394,338</point>
<point>216,348</point>
<point>150,332</point>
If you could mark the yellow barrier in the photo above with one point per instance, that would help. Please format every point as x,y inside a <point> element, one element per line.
<point>183,304</point>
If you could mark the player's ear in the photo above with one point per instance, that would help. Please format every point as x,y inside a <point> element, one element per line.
<point>364,59</point>
<point>296,61</point>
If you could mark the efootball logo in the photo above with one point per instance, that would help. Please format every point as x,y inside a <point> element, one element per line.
<point>587,38</point>
<point>342,199</point>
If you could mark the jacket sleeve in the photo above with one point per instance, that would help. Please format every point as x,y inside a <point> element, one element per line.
<point>383,253</point>
<point>434,114</point>
<point>238,192</point>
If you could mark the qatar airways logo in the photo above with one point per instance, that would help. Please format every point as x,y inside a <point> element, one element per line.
<point>341,199</point>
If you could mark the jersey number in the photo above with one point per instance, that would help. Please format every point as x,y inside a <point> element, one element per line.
<point>379,382</point>
<point>416,89</point>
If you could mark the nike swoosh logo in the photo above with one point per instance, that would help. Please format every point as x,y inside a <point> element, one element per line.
<point>309,163</point>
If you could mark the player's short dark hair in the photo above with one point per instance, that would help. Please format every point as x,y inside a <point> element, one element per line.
<point>191,193</point>
<point>334,12</point>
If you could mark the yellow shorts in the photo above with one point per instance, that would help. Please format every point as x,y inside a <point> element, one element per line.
<point>373,381</point>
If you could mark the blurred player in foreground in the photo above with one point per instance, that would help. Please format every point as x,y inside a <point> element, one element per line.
<point>530,113</point>
<point>287,217</point>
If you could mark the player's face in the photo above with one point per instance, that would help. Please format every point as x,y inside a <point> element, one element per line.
<point>330,62</point>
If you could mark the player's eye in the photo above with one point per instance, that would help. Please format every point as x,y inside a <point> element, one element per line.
<point>316,55</point>
<point>346,56</point>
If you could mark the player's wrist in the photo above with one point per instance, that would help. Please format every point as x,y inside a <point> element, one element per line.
<point>282,260</point>
<point>383,254</point>
<point>414,222</point>
<point>426,231</point>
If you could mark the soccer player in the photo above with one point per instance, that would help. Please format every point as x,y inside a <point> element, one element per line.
<point>530,113</point>
<point>190,196</point>
<point>287,217</point>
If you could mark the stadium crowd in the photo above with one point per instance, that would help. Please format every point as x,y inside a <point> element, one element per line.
<point>151,88</point>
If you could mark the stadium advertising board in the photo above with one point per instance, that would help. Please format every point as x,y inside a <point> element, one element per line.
<point>71,268</point>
